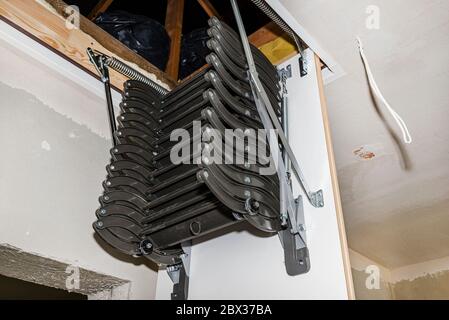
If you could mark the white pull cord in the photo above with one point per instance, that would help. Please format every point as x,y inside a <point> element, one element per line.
<point>372,82</point>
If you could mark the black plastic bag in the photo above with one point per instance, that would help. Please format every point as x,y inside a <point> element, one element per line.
<point>193,52</point>
<point>141,34</point>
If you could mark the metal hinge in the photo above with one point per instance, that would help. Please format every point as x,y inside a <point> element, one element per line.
<point>179,274</point>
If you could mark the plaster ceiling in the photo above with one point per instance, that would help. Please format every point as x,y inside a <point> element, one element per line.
<point>395,196</point>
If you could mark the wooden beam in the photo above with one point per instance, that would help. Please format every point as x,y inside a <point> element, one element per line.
<point>99,8</point>
<point>209,8</point>
<point>173,25</point>
<point>45,22</point>
<point>334,180</point>
<point>274,43</point>
<point>267,33</point>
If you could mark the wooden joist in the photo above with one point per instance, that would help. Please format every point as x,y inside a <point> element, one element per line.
<point>267,33</point>
<point>209,8</point>
<point>173,25</point>
<point>99,8</point>
<point>274,43</point>
<point>46,22</point>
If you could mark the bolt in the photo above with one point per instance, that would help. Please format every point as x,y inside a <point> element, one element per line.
<point>108,183</point>
<point>112,167</point>
<point>103,211</point>
<point>106,198</point>
<point>100,224</point>
<point>254,205</point>
<point>247,193</point>
<point>115,150</point>
<point>247,180</point>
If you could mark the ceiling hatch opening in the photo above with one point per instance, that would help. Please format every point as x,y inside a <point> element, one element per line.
<point>16,289</point>
<point>172,34</point>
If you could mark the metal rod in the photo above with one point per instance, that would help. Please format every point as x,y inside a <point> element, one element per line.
<point>112,123</point>
<point>285,127</point>
<point>260,91</point>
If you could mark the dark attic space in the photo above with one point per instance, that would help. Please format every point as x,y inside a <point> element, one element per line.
<point>145,29</point>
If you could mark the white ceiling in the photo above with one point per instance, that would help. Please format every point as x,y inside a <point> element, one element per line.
<point>396,204</point>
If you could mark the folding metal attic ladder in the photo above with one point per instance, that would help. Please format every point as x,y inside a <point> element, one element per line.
<point>154,207</point>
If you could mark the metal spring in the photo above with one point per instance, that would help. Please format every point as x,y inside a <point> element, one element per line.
<point>265,7</point>
<point>129,72</point>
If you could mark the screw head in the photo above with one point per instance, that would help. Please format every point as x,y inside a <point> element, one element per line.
<point>106,198</point>
<point>100,224</point>
<point>255,205</point>
<point>103,211</point>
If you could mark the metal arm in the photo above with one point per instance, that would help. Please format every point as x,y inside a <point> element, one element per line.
<point>315,198</point>
<point>99,62</point>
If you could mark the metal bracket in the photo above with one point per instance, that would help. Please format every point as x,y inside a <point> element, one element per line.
<point>303,65</point>
<point>286,72</point>
<point>179,274</point>
<point>293,239</point>
<point>317,199</point>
